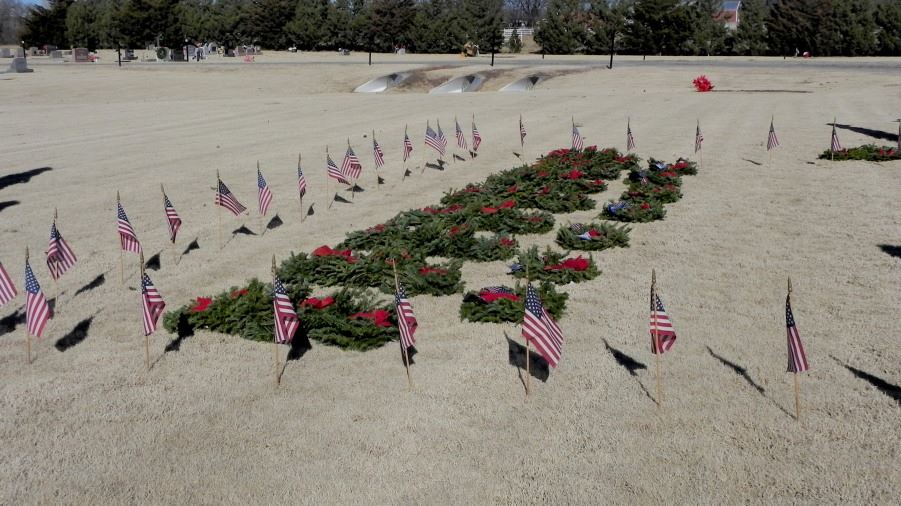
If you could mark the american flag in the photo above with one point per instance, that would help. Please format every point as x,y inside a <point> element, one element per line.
<point>127,237</point>
<point>540,329</point>
<point>351,165</point>
<point>835,145</point>
<point>772,142</point>
<point>797,359</point>
<point>406,321</point>
<point>225,199</point>
<point>663,335</point>
<point>60,256</point>
<point>37,311</point>
<point>432,140</point>
<point>899,136</point>
<point>476,136</point>
<point>577,139</point>
<point>301,182</point>
<point>265,194</point>
<point>408,145</point>
<point>498,289</point>
<point>333,171</point>
<point>461,140</point>
<point>377,153</point>
<point>630,140</point>
<point>7,288</point>
<point>699,139</point>
<point>286,321</point>
<point>441,138</point>
<point>522,131</point>
<point>171,218</point>
<point>152,303</point>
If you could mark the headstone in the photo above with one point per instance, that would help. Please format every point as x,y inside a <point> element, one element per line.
<point>19,66</point>
<point>50,49</point>
<point>56,54</point>
<point>5,53</point>
<point>20,52</point>
<point>81,55</point>
<point>33,51</point>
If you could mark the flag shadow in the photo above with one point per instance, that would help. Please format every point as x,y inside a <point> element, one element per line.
<point>458,158</point>
<point>153,263</point>
<point>743,373</point>
<point>430,165</point>
<point>274,223</point>
<point>888,249</point>
<point>75,336</point>
<point>243,230</point>
<point>8,203</point>
<point>94,283</point>
<point>869,132</point>
<point>516,356</point>
<point>21,177</point>
<point>191,247</point>
<point>752,161</point>
<point>411,352</point>
<point>9,323</point>
<point>629,364</point>
<point>300,345</point>
<point>893,391</point>
<point>182,330</point>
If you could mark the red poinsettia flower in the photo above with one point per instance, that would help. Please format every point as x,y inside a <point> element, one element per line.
<point>432,270</point>
<point>702,84</point>
<point>512,189</point>
<point>472,189</point>
<point>456,230</point>
<point>634,194</point>
<point>544,191</point>
<point>507,242</point>
<point>595,233</point>
<point>379,317</point>
<point>645,205</point>
<point>543,174</point>
<point>453,208</point>
<point>201,304</point>
<point>317,303</point>
<point>239,292</point>
<point>681,165</point>
<point>598,182</point>
<point>669,173</point>
<point>593,148</point>
<point>378,228</point>
<point>489,210</point>
<point>507,204</point>
<point>573,174</point>
<point>323,251</point>
<point>490,297</point>
<point>576,264</point>
<point>535,219</point>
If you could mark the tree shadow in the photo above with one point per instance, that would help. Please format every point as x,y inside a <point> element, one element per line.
<point>94,283</point>
<point>243,230</point>
<point>737,369</point>
<point>21,177</point>
<point>9,323</point>
<point>8,203</point>
<point>153,263</point>
<point>516,356</point>
<point>182,330</point>
<point>869,132</point>
<point>274,223</point>
<point>630,364</point>
<point>75,336</point>
<point>893,391</point>
<point>889,249</point>
<point>191,247</point>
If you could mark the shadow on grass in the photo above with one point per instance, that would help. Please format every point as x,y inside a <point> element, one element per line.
<point>869,132</point>
<point>889,249</point>
<point>893,391</point>
<point>629,364</point>
<point>21,177</point>
<point>75,336</point>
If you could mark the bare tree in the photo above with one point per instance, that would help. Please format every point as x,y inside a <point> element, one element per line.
<point>526,12</point>
<point>11,14</point>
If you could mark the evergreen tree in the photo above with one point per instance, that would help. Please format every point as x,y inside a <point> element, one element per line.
<point>750,36</point>
<point>47,25</point>
<point>561,31</point>
<point>82,27</point>
<point>392,23</point>
<point>709,34</point>
<point>484,24</point>
<point>514,44</point>
<point>306,30</point>
<point>266,20</point>
<point>888,21</point>
<point>438,27</point>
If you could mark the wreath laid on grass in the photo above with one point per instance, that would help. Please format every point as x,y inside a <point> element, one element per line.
<point>593,236</point>
<point>498,304</point>
<point>665,194</point>
<point>553,266</point>
<point>868,152</point>
<point>636,210</point>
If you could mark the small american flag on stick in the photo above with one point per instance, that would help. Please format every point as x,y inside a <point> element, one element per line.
<point>264,193</point>
<point>476,136</point>
<point>226,199</point>
<point>152,303</point>
<point>522,132</point>
<point>461,139</point>
<point>172,218</point>
<point>834,145</point>
<point>333,171</point>
<point>7,288</point>
<point>432,140</point>
<point>797,359</point>
<point>351,167</point>
<point>699,139</point>
<point>127,237</point>
<point>408,145</point>
<point>540,329</point>
<point>772,142</point>
<point>577,138</point>
<point>406,320</point>
<point>301,181</point>
<point>37,311</point>
<point>60,256</point>
<point>377,153</point>
<point>663,335</point>
<point>286,321</point>
<point>630,140</point>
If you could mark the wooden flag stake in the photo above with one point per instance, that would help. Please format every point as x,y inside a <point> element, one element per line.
<point>402,347</point>
<point>146,337</point>
<point>700,147</point>
<point>262,228</point>
<point>171,239</point>
<point>55,286</point>
<point>218,213</point>
<point>121,258</point>
<point>832,151</point>
<point>797,381</point>
<point>300,201</point>
<point>353,185</point>
<point>528,343</point>
<point>404,156</point>
<point>377,178</point>
<point>328,183</point>
<point>274,342</point>
<point>27,333</point>
<point>656,338</point>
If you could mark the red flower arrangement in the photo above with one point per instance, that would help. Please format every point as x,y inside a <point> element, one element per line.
<point>325,251</point>
<point>575,264</point>
<point>512,189</point>
<point>201,304</point>
<point>544,191</point>
<point>702,84</point>
<point>543,174</point>
<point>507,242</point>
<point>490,297</point>
<point>573,174</point>
<point>489,210</point>
<point>456,230</point>
<point>379,317</point>
<point>237,293</point>
<point>645,205</point>
<point>669,173</point>
<point>432,270</point>
<point>535,219</point>
<point>317,303</point>
<point>598,182</point>
<point>378,228</point>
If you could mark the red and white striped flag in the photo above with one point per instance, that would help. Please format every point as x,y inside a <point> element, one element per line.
<point>286,321</point>
<point>772,142</point>
<point>37,311</point>
<point>522,132</point>
<point>153,305</point>
<point>264,193</point>
<point>476,136</point>
<point>834,145</point>
<point>699,139</point>
<point>540,329</point>
<point>301,182</point>
<point>577,139</point>
<point>461,139</point>
<point>797,359</point>
<point>351,166</point>
<point>406,321</point>
<point>7,288</point>
<point>433,141</point>
<point>663,335</point>
<point>630,140</point>
<point>60,256</point>
<point>408,145</point>
<point>127,237</point>
<point>172,218</point>
<point>377,153</point>
<point>333,171</point>
<point>226,199</point>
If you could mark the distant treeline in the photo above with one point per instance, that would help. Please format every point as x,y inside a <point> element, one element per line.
<point>671,27</point>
